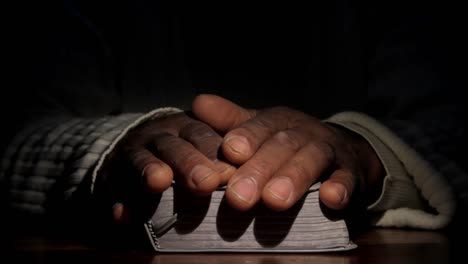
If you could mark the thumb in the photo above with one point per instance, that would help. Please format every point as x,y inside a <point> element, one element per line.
<point>220,113</point>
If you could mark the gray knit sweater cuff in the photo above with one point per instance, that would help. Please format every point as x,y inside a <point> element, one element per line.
<point>148,116</point>
<point>410,181</point>
<point>50,158</point>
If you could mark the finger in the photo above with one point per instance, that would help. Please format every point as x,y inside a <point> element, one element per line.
<point>337,190</point>
<point>208,142</point>
<point>120,213</point>
<point>220,113</point>
<point>245,187</point>
<point>191,167</point>
<point>156,175</point>
<point>294,178</point>
<point>224,170</point>
<point>241,143</point>
<point>203,138</point>
<point>136,209</point>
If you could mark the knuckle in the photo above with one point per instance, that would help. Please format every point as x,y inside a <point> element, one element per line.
<point>259,168</point>
<point>324,150</point>
<point>202,138</point>
<point>290,117</point>
<point>298,171</point>
<point>197,131</point>
<point>264,124</point>
<point>165,142</point>
<point>188,159</point>
<point>140,158</point>
<point>287,139</point>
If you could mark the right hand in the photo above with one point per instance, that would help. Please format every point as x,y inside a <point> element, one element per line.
<point>281,152</point>
<point>150,156</point>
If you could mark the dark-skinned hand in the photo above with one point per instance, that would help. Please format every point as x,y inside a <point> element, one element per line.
<point>175,147</point>
<point>281,152</point>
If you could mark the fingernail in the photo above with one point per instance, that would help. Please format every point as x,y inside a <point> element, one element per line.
<point>200,173</point>
<point>281,188</point>
<point>245,189</point>
<point>238,144</point>
<point>341,191</point>
<point>149,169</point>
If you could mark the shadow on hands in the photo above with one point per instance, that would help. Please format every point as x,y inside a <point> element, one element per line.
<point>145,163</point>
<point>281,152</point>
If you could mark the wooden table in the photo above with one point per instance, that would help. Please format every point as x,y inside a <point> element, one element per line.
<point>374,246</point>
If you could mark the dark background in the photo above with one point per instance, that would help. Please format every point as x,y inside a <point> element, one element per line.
<point>281,53</point>
<point>90,58</point>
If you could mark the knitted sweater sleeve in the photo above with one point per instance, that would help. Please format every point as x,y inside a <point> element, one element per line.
<point>418,186</point>
<point>50,158</point>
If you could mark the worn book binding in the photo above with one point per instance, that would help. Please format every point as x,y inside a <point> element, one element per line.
<point>184,223</point>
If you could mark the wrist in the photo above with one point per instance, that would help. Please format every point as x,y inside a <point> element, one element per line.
<point>369,165</point>
<point>374,171</point>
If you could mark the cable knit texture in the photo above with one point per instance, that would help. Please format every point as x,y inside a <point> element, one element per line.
<point>54,155</point>
<point>410,180</point>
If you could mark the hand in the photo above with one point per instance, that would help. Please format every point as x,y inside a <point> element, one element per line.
<point>146,161</point>
<point>283,151</point>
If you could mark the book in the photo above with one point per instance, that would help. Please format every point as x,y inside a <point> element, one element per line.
<point>186,223</point>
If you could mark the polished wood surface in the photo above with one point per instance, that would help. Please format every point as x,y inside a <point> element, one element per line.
<point>374,246</point>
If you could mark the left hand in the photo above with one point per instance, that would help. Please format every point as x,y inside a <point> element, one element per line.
<point>146,161</point>
<point>283,151</point>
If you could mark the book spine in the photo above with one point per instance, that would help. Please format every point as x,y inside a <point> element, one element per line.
<point>152,235</point>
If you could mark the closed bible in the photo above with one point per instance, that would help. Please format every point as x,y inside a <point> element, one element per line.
<point>183,222</point>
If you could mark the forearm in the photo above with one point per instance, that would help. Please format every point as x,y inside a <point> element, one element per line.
<point>47,161</point>
<point>411,182</point>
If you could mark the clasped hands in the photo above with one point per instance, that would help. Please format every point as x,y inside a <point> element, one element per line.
<point>272,155</point>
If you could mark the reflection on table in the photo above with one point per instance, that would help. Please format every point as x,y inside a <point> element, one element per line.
<point>374,246</point>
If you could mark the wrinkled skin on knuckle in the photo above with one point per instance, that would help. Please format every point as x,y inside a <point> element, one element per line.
<point>196,130</point>
<point>287,139</point>
<point>267,126</point>
<point>186,161</point>
<point>137,156</point>
<point>297,171</point>
<point>260,169</point>
<point>202,138</point>
<point>163,142</point>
